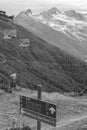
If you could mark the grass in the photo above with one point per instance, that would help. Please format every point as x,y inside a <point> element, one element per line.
<point>40,63</point>
<point>69,111</point>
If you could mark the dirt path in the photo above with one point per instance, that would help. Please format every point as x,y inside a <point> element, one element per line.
<point>66,122</point>
<point>69,121</point>
<point>70,110</point>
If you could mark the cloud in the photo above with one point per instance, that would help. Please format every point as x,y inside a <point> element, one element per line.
<point>13,6</point>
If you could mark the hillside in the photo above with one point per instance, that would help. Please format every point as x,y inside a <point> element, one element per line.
<point>39,63</point>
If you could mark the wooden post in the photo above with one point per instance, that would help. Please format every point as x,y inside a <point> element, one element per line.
<point>39,97</point>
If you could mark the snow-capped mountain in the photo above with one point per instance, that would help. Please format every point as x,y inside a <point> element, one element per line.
<point>50,13</point>
<point>67,30</point>
<point>75,14</point>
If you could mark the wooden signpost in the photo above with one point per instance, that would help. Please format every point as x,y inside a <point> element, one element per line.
<point>39,98</point>
<point>40,110</point>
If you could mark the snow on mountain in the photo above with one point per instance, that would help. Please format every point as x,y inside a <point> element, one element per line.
<point>54,11</point>
<point>54,25</point>
<point>75,14</point>
<point>61,22</point>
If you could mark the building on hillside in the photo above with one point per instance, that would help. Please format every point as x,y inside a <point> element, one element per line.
<point>11,17</point>
<point>3,16</point>
<point>13,80</point>
<point>2,12</point>
<point>13,76</point>
<point>24,42</point>
<point>9,34</point>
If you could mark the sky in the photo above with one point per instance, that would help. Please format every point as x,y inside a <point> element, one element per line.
<point>16,6</point>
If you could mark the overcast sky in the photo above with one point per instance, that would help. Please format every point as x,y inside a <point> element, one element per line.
<point>15,6</point>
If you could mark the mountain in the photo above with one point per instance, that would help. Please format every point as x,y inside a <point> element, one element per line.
<point>39,63</point>
<point>28,12</point>
<point>54,10</point>
<point>66,30</point>
<point>50,13</point>
<point>76,15</point>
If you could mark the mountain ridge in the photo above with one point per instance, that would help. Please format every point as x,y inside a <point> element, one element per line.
<point>57,28</point>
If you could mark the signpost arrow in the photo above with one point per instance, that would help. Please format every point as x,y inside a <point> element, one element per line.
<point>22,111</point>
<point>52,110</point>
<point>39,110</point>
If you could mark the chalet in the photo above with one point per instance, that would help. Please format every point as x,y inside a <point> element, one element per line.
<point>2,12</point>
<point>24,42</point>
<point>13,76</point>
<point>9,34</point>
<point>11,17</point>
<point>5,17</point>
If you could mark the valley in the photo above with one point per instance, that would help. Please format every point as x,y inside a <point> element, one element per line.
<point>66,30</point>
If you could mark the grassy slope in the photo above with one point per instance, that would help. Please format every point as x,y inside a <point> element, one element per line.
<point>40,63</point>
